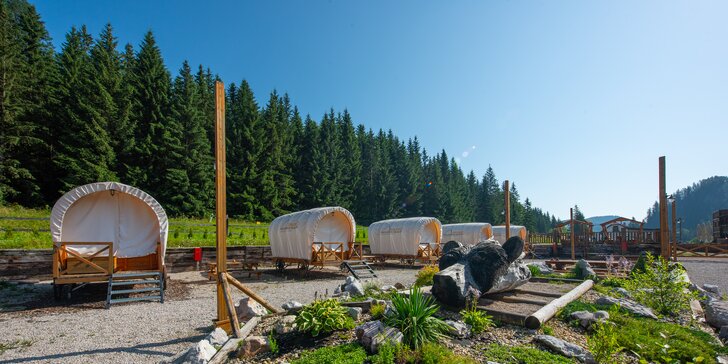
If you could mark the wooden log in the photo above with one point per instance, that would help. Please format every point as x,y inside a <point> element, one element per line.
<point>535,320</point>
<point>229,304</point>
<point>514,299</point>
<point>231,345</point>
<point>251,294</point>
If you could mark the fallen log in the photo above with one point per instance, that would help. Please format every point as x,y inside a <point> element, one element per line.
<point>223,354</point>
<point>535,320</point>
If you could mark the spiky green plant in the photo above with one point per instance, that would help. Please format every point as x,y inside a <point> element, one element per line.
<point>413,316</point>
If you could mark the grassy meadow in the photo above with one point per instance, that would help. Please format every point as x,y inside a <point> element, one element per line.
<point>22,228</point>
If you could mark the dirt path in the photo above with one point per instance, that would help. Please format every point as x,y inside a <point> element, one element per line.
<point>708,270</point>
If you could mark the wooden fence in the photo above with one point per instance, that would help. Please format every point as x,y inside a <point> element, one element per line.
<point>700,250</point>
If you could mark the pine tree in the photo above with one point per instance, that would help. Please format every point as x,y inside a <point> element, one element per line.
<point>350,160</point>
<point>84,153</point>
<point>244,143</point>
<point>307,182</point>
<point>198,162</point>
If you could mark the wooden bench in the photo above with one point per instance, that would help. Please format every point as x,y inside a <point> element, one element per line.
<point>235,265</point>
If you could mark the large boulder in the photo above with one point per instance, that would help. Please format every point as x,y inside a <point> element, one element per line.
<point>354,312</point>
<point>565,348</point>
<point>285,324</point>
<point>466,272</point>
<point>716,312</point>
<point>584,270</point>
<point>292,306</point>
<point>373,334</point>
<point>458,329</point>
<point>353,286</point>
<point>247,308</point>
<point>627,304</point>
<point>253,345</point>
<point>201,353</point>
<point>586,319</point>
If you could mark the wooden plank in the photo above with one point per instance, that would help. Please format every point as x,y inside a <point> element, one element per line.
<point>535,320</point>
<point>230,305</point>
<point>537,293</point>
<point>223,355</point>
<point>514,299</point>
<point>507,204</point>
<point>504,316</point>
<point>251,294</point>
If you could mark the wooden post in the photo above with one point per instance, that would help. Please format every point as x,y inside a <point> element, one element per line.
<point>507,202</point>
<point>664,243</point>
<point>571,221</point>
<point>220,194</point>
<point>674,230</point>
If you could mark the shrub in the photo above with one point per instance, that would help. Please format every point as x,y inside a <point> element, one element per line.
<point>341,354</point>
<point>603,343</point>
<point>521,354</point>
<point>431,353</point>
<point>273,343</point>
<point>413,316</point>
<point>547,330</point>
<point>478,320</point>
<point>323,316</point>
<point>535,272</point>
<point>377,310</point>
<point>371,288</point>
<point>385,355</point>
<point>660,286</point>
<point>613,282</point>
<point>425,275</point>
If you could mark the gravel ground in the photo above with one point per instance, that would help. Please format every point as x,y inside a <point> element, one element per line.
<point>708,270</point>
<point>37,330</point>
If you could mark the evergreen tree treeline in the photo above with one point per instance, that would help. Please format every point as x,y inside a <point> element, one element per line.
<point>92,112</point>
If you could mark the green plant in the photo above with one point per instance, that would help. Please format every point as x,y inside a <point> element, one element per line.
<point>521,354</point>
<point>660,286</point>
<point>371,288</point>
<point>603,343</point>
<point>323,316</point>
<point>273,343</point>
<point>17,344</point>
<point>478,320</point>
<point>613,282</point>
<point>426,275</point>
<point>413,316</point>
<point>547,330</point>
<point>535,272</point>
<point>341,354</point>
<point>431,353</point>
<point>385,355</point>
<point>377,310</point>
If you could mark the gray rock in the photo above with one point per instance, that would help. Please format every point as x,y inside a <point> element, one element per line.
<point>542,267</point>
<point>702,294</point>
<point>389,288</point>
<point>716,312</point>
<point>601,315</point>
<point>285,324</point>
<point>517,275</point>
<point>373,334</point>
<point>292,305</point>
<point>201,353</point>
<point>723,333</point>
<point>565,348</point>
<point>712,288</point>
<point>247,308</point>
<point>217,337</point>
<point>353,286</point>
<point>399,286</point>
<point>354,312</point>
<point>622,292</point>
<point>253,345</point>
<point>722,359</point>
<point>584,269</point>
<point>458,329</point>
<point>338,290</point>
<point>628,305</point>
<point>587,319</point>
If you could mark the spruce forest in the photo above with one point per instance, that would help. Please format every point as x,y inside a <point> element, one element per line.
<point>98,111</point>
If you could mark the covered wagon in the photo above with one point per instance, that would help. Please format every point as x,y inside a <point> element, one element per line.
<point>469,233</point>
<point>499,232</point>
<point>108,232</point>
<point>414,238</point>
<point>320,236</point>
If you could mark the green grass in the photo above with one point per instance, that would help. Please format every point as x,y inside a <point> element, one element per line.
<point>521,355</point>
<point>341,354</point>
<point>183,232</point>
<point>17,344</point>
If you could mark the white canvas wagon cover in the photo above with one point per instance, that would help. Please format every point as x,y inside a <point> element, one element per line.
<point>292,235</point>
<point>110,212</point>
<point>499,232</point>
<point>403,236</point>
<point>469,233</point>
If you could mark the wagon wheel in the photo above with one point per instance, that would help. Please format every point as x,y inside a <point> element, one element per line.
<point>304,266</point>
<point>66,290</point>
<point>280,265</point>
<point>411,262</point>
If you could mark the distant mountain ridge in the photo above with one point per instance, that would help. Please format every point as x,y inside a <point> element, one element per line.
<point>597,220</point>
<point>695,205</point>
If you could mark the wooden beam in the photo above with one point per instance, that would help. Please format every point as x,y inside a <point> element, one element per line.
<point>674,231</point>
<point>507,202</point>
<point>664,243</point>
<point>251,294</point>
<point>571,213</point>
<point>220,195</point>
<point>222,355</point>
<point>229,304</point>
<point>538,318</point>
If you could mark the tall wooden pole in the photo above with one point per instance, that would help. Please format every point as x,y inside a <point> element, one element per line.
<point>664,243</point>
<point>571,228</point>
<point>673,245</point>
<point>507,202</point>
<point>220,195</point>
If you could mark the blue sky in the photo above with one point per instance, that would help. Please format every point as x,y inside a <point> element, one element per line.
<point>573,100</point>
